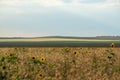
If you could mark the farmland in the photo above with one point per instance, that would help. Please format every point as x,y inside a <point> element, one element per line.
<point>59,59</point>
<point>59,63</point>
<point>57,42</point>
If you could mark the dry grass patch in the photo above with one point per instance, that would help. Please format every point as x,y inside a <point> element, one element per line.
<point>60,63</point>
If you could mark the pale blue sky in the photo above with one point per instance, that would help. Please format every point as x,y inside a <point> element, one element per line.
<point>59,18</point>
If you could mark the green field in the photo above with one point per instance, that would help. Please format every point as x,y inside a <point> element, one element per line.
<point>57,42</point>
<point>52,39</point>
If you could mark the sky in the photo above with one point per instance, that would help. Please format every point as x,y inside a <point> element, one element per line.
<point>36,18</point>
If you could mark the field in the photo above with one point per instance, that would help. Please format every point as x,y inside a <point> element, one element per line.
<point>59,59</point>
<point>59,63</point>
<point>57,42</point>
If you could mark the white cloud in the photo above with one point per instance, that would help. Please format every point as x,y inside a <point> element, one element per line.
<point>113,1</point>
<point>20,11</point>
<point>86,10</point>
<point>50,3</point>
<point>101,12</point>
<point>75,6</point>
<point>60,3</point>
<point>45,3</point>
<point>24,6</point>
<point>18,33</point>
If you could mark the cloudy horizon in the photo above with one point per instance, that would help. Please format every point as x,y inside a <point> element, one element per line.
<point>35,18</point>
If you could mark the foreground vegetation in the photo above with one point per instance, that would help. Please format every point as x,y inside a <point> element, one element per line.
<point>60,63</point>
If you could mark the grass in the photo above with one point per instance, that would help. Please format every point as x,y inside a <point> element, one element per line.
<point>60,63</point>
<point>56,42</point>
<point>51,39</point>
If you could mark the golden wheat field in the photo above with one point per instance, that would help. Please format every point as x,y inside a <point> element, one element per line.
<point>60,63</point>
